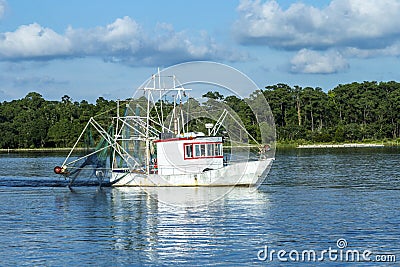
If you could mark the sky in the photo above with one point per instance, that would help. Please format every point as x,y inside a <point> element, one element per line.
<point>103,48</point>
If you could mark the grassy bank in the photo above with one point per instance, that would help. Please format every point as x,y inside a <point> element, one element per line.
<point>295,144</point>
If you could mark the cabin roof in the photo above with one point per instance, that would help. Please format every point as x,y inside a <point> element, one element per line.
<point>205,139</point>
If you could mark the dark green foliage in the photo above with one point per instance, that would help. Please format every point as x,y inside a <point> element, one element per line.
<point>33,122</point>
<point>350,112</point>
<point>214,95</point>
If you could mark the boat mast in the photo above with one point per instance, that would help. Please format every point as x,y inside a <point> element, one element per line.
<point>147,150</point>
<point>187,114</point>
<point>113,160</point>
<point>161,93</point>
<point>176,121</point>
<point>175,118</point>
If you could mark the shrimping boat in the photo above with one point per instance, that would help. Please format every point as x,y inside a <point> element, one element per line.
<point>151,143</point>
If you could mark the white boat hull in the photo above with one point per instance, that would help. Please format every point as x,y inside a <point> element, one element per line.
<point>238,174</point>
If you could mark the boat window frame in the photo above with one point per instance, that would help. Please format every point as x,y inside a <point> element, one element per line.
<point>190,150</point>
<point>218,150</point>
<point>210,150</point>
<point>203,150</point>
<point>199,153</point>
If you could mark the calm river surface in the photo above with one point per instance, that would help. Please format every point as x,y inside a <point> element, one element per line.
<point>311,199</point>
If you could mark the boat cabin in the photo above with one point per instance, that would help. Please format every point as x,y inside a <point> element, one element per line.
<point>193,154</point>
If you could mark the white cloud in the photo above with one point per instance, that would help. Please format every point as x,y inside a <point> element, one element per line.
<point>390,50</point>
<point>312,62</point>
<point>123,35</point>
<point>363,24</point>
<point>122,41</point>
<point>30,41</point>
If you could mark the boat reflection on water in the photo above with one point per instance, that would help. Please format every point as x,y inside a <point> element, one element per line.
<point>182,229</point>
<point>188,197</point>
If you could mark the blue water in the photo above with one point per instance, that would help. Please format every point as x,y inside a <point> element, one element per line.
<point>311,199</point>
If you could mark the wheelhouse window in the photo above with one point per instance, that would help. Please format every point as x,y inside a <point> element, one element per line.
<point>189,151</point>
<point>218,150</point>
<point>210,150</point>
<point>203,150</point>
<point>197,150</point>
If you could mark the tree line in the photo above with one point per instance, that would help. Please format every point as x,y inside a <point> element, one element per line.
<point>367,111</point>
<point>33,122</point>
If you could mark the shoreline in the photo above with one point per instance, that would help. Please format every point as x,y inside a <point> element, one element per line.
<point>44,150</point>
<point>348,145</point>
